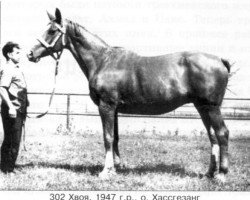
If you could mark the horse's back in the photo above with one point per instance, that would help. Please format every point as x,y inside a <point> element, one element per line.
<point>122,58</point>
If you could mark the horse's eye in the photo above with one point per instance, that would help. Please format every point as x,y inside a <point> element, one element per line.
<point>51,32</point>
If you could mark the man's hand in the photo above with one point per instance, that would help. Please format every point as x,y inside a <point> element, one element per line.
<point>5,96</point>
<point>12,112</point>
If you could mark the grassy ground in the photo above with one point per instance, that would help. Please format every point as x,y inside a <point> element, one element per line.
<point>72,161</point>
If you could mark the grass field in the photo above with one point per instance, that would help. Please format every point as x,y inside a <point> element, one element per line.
<point>72,161</point>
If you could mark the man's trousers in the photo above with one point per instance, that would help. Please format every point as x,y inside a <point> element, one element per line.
<point>12,137</point>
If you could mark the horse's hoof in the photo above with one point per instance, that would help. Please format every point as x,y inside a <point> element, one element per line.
<point>220,178</point>
<point>117,161</point>
<point>209,175</point>
<point>107,174</point>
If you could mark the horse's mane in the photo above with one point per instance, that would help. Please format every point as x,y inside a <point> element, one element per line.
<point>78,30</point>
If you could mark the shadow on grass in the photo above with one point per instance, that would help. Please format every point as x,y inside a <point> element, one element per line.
<point>92,169</point>
<point>173,169</point>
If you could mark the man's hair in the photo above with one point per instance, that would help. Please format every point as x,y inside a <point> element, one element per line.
<point>8,48</point>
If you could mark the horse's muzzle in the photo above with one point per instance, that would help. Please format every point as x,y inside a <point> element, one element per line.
<point>32,58</point>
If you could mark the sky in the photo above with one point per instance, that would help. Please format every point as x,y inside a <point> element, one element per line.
<point>148,27</point>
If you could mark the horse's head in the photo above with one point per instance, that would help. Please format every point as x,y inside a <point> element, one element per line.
<point>52,41</point>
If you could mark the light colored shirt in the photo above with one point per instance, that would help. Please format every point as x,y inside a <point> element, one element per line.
<point>12,78</point>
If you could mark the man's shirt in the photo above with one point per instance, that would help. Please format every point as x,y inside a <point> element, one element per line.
<point>12,78</point>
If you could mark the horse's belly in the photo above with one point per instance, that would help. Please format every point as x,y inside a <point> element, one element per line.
<point>148,109</point>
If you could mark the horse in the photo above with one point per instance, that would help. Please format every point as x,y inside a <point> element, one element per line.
<point>122,81</point>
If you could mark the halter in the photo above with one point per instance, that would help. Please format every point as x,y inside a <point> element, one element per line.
<point>49,48</point>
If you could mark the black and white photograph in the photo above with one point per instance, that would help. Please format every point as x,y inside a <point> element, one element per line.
<point>129,96</point>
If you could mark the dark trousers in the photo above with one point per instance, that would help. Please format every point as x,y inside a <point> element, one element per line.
<point>12,137</point>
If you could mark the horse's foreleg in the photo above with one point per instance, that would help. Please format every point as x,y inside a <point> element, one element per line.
<point>116,140</point>
<point>107,113</point>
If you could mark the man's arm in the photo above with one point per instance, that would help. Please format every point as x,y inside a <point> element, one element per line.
<point>5,97</point>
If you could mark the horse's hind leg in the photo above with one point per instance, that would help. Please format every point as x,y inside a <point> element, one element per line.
<point>214,158</point>
<point>222,135</point>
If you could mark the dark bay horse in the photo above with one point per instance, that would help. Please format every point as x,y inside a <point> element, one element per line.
<point>120,81</point>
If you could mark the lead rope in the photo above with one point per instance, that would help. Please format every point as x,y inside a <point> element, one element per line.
<point>23,125</point>
<point>53,90</point>
<point>24,132</point>
<point>50,100</point>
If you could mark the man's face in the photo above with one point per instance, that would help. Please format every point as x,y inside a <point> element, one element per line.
<point>15,55</point>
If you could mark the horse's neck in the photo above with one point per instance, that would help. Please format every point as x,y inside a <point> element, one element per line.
<point>88,52</point>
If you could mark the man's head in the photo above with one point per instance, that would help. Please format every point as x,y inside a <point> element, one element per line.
<point>11,51</point>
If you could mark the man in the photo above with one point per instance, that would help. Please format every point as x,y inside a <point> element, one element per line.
<point>13,90</point>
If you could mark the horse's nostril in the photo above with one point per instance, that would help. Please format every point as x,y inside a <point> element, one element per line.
<point>30,55</point>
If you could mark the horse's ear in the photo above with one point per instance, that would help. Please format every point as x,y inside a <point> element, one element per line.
<point>58,16</point>
<point>51,17</point>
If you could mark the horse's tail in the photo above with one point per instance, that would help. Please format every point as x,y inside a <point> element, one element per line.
<point>226,64</point>
<point>229,66</point>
